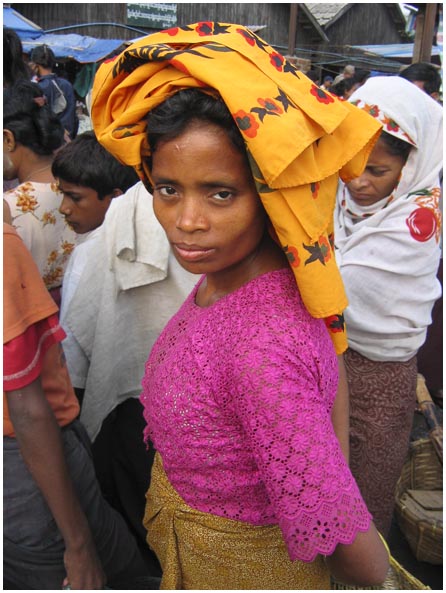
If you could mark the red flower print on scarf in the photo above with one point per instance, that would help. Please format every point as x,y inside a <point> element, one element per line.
<point>210,28</point>
<point>390,124</point>
<point>335,323</point>
<point>270,105</point>
<point>205,28</point>
<point>248,37</point>
<point>422,224</point>
<point>292,255</point>
<point>372,110</point>
<point>325,248</point>
<point>315,189</point>
<point>246,123</point>
<point>320,95</point>
<point>277,61</point>
<point>172,32</point>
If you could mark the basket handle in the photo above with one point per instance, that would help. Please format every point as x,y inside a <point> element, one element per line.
<point>428,409</point>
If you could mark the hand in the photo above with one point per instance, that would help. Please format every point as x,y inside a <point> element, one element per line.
<point>84,570</point>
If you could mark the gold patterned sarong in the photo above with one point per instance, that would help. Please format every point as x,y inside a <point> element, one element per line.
<point>198,550</point>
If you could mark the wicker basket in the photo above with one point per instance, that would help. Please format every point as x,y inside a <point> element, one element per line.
<point>419,502</point>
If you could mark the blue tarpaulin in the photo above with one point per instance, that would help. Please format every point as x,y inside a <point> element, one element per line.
<point>24,28</point>
<point>394,50</point>
<point>81,48</point>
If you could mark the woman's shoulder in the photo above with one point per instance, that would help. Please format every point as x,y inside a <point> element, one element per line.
<point>274,291</point>
<point>268,310</point>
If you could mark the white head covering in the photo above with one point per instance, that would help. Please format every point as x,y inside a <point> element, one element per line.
<point>389,252</point>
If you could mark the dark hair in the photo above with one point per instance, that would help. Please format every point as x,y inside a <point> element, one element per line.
<point>169,119</point>
<point>14,66</point>
<point>342,86</point>
<point>426,73</point>
<point>26,115</point>
<point>361,75</point>
<point>43,56</point>
<point>396,146</point>
<point>86,162</point>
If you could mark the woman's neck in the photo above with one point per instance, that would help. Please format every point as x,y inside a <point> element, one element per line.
<point>267,258</point>
<point>35,168</point>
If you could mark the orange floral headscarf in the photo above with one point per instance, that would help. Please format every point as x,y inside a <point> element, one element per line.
<point>299,138</point>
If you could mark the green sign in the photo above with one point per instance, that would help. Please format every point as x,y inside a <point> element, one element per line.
<point>152,16</point>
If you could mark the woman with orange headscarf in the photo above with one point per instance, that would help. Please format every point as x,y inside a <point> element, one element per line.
<point>250,488</point>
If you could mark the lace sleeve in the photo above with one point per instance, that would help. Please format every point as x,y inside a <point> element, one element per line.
<point>284,398</point>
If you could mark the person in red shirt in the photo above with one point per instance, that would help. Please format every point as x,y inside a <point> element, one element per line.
<point>57,528</point>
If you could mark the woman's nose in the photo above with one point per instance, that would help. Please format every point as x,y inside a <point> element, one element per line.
<point>191,216</point>
<point>359,182</point>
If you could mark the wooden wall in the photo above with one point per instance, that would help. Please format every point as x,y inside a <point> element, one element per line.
<point>365,24</point>
<point>49,16</point>
<point>52,16</point>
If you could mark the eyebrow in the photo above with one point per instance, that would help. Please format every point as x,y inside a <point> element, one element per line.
<point>206,185</point>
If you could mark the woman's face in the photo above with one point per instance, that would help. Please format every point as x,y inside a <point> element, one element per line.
<point>379,178</point>
<point>206,201</point>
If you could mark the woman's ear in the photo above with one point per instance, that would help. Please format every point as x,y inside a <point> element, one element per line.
<point>9,142</point>
<point>7,217</point>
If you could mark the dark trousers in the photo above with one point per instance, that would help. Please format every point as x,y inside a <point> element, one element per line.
<point>33,547</point>
<point>123,463</point>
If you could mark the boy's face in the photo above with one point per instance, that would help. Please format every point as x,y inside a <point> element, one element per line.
<point>82,208</point>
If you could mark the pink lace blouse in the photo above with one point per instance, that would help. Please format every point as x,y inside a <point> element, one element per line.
<point>237,399</point>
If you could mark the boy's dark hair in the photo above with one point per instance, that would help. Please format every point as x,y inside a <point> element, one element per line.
<point>425,73</point>
<point>43,56</point>
<point>396,146</point>
<point>169,119</point>
<point>28,117</point>
<point>86,162</point>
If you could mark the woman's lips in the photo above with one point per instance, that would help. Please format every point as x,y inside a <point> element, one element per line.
<point>192,252</point>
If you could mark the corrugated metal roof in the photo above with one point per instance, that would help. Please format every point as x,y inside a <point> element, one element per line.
<point>325,13</point>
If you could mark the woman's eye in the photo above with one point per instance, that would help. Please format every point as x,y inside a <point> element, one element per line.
<point>377,172</point>
<point>223,195</point>
<point>166,190</point>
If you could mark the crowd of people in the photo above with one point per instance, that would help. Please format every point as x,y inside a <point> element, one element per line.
<point>211,325</point>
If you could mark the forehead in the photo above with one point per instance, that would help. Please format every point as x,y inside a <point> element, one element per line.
<point>382,152</point>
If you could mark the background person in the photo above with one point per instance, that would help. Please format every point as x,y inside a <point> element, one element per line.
<point>224,448</point>
<point>88,179</point>
<point>31,135</point>
<point>57,528</point>
<point>129,289</point>
<point>14,66</point>
<point>328,81</point>
<point>347,72</point>
<point>387,231</point>
<point>425,76</point>
<point>42,60</point>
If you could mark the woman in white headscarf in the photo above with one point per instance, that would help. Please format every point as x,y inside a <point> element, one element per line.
<point>387,234</point>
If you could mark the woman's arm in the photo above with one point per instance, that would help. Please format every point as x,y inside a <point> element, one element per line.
<point>40,442</point>
<point>365,562</point>
<point>340,411</point>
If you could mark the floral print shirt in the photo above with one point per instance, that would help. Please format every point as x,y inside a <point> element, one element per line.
<point>36,217</point>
